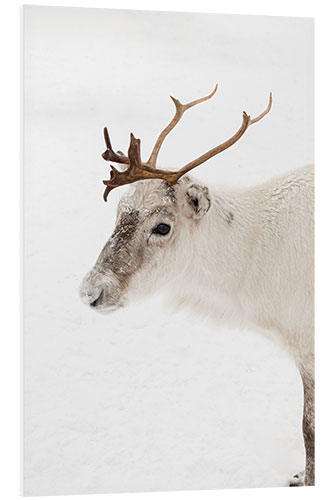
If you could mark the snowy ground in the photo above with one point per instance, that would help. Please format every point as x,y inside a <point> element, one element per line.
<point>139,400</point>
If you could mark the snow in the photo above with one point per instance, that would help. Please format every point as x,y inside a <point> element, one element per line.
<point>142,400</point>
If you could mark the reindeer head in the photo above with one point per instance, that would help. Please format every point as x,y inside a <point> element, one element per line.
<point>155,220</point>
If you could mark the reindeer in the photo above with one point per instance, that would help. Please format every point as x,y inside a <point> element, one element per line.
<point>201,245</point>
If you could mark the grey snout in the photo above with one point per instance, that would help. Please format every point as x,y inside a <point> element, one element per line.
<point>99,292</point>
<point>90,294</point>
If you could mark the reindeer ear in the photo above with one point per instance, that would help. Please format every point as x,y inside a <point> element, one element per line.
<point>197,200</point>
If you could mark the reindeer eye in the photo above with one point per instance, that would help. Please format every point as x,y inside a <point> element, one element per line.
<point>162,229</point>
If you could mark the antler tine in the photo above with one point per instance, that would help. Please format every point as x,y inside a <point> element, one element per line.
<point>267,110</point>
<point>247,121</point>
<point>109,154</point>
<point>134,153</point>
<point>180,110</point>
<point>106,192</point>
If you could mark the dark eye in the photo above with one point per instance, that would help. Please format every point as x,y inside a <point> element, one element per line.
<point>162,229</point>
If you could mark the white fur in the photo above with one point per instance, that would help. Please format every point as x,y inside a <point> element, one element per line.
<point>261,261</point>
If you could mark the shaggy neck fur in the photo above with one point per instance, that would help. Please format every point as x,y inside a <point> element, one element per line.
<point>222,242</point>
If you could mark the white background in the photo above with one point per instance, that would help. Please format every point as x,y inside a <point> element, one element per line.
<point>9,293</point>
<point>144,399</point>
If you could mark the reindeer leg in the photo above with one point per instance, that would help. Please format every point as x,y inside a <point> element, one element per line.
<point>307,477</point>
<point>309,428</point>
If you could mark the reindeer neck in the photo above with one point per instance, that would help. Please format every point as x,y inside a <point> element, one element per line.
<point>230,235</point>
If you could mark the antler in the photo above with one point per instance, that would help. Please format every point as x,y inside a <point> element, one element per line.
<point>137,170</point>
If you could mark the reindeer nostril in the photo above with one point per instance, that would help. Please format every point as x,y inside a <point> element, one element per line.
<point>97,301</point>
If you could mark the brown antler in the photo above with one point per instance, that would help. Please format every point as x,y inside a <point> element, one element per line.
<point>109,154</point>
<point>138,170</point>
